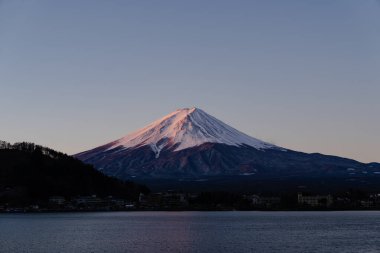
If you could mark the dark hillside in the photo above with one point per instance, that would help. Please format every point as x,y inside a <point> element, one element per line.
<point>29,172</point>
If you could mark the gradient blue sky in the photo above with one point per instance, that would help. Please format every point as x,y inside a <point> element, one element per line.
<point>301,74</point>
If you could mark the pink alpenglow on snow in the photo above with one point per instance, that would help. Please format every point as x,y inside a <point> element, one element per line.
<point>190,144</point>
<point>186,128</point>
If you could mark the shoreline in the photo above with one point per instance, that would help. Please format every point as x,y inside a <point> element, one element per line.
<point>188,210</point>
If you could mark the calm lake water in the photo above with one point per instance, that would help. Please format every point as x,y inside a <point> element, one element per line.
<point>285,232</point>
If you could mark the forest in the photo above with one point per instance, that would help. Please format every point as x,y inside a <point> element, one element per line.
<point>31,173</point>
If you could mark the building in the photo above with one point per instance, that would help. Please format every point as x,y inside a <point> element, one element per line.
<point>57,200</point>
<point>90,201</point>
<point>255,200</point>
<point>167,200</point>
<point>315,201</point>
<point>264,202</point>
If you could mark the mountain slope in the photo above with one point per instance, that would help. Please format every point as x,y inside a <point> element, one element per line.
<point>29,172</point>
<point>190,144</point>
<point>182,129</point>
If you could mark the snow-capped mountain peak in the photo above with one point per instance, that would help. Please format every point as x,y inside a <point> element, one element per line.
<point>185,128</point>
<point>190,145</point>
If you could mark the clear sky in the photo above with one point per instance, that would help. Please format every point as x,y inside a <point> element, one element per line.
<point>302,74</point>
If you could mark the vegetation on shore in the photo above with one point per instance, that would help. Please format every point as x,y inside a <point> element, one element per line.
<point>30,173</point>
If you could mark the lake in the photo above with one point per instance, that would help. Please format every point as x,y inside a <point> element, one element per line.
<point>285,232</point>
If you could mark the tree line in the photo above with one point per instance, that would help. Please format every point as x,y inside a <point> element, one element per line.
<point>32,148</point>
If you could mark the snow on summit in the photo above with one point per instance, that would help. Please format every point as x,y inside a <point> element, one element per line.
<point>185,128</point>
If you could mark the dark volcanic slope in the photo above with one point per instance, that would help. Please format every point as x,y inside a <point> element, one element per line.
<point>213,159</point>
<point>35,173</point>
<point>192,145</point>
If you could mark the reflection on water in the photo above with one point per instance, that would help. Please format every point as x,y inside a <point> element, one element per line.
<point>286,232</point>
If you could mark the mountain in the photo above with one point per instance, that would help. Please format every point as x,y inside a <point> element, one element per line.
<point>30,173</point>
<point>189,145</point>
